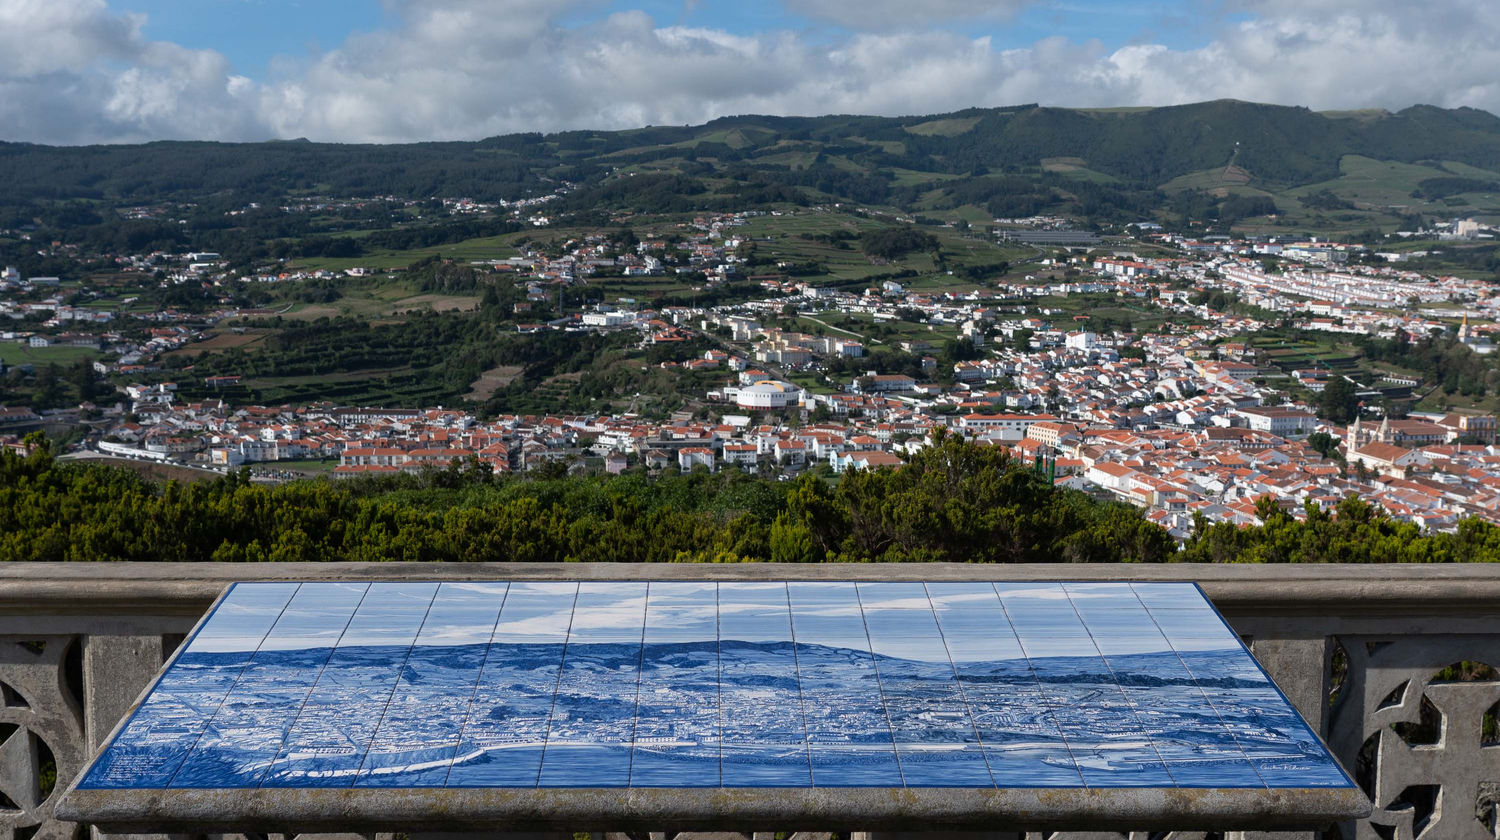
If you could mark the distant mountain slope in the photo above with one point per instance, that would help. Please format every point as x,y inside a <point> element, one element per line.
<point>898,161</point>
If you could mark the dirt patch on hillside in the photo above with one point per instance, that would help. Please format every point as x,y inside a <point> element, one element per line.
<point>1063,164</point>
<point>223,341</point>
<point>493,380</point>
<point>437,303</point>
<point>155,471</point>
<point>1236,175</point>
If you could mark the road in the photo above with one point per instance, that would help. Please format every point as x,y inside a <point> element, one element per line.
<point>93,455</point>
<point>838,329</point>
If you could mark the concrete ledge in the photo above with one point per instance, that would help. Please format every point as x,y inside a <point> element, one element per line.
<point>186,589</point>
<point>828,809</point>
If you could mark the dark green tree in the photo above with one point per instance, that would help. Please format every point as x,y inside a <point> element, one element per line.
<point>1339,401</point>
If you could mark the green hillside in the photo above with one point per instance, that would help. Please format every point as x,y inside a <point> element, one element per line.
<point>1097,164</point>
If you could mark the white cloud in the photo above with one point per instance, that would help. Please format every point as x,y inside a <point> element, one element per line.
<point>902,14</point>
<point>76,72</point>
<point>463,69</point>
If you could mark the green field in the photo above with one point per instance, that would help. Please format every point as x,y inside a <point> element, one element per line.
<point>1231,180</point>
<point>484,248</point>
<point>1076,168</point>
<point>813,382</point>
<point>378,307</point>
<point>907,177</point>
<point>849,265</point>
<point>1375,183</point>
<point>12,353</point>
<point>951,127</point>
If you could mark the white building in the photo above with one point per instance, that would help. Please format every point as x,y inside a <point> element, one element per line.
<point>1008,427</point>
<point>606,319</point>
<point>1081,340</point>
<point>766,394</point>
<point>743,455</point>
<point>864,461</point>
<point>692,456</point>
<point>1115,478</point>
<point>1282,422</point>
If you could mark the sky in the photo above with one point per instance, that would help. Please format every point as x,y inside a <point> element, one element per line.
<point>120,71</point>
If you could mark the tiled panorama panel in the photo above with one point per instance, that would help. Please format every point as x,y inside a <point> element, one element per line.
<point>249,728</point>
<point>1266,727</point>
<point>1108,742</point>
<point>1198,748</point>
<point>701,684</point>
<point>1011,715</point>
<point>592,728</point>
<point>760,697</point>
<point>326,746</point>
<point>415,740</point>
<point>848,728</point>
<point>151,747</point>
<point>677,706</point>
<point>501,740</point>
<point>935,737</point>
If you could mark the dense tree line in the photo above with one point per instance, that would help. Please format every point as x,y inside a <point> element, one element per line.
<point>1338,402</point>
<point>1237,207</point>
<point>1325,199</point>
<point>174,171</point>
<point>895,242</point>
<point>1355,532</point>
<point>1443,187</point>
<point>954,501</point>
<point>1442,360</point>
<point>1485,258</point>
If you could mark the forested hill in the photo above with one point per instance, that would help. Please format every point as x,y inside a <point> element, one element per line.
<point>878,160</point>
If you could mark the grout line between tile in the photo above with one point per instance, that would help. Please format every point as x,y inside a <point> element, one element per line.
<point>640,667</point>
<point>1134,711</point>
<point>458,740</point>
<point>232,686</point>
<point>879,685</point>
<point>1194,677</point>
<point>791,626</point>
<point>286,733</point>
<point>365,756</point>
<point>719,681</point>
<point>962,695</point>
<point>562,663</point>
<point>1046,696</point>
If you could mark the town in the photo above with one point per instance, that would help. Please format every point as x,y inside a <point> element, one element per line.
<point>1192,417</point>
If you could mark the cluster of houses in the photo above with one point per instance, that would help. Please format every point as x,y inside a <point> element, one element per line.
<point>1430,470</point>
<point>1179,420</point>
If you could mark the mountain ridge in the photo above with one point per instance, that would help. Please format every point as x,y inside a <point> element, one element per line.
<point>1114,161</point>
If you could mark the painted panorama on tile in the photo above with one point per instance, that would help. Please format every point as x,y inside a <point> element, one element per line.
<point>692,684</point>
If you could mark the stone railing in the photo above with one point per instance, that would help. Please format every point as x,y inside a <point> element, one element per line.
<point>1367,653</point>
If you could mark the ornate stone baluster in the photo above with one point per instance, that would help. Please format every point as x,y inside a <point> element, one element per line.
<point>1431,778</point>
<point>41,736</point>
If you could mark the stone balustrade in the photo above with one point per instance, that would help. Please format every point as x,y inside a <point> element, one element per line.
<point>1394,665</point>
